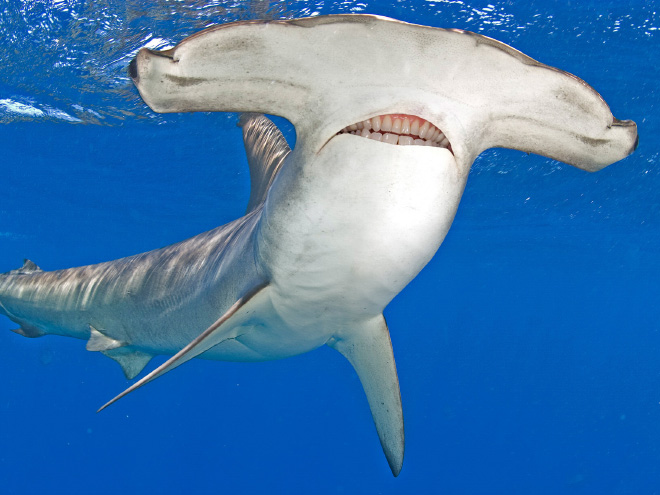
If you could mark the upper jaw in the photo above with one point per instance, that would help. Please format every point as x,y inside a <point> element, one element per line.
<point>371,107</point>
<point>399,129</point>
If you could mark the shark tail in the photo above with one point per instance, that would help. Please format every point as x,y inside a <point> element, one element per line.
<point>5,286</point>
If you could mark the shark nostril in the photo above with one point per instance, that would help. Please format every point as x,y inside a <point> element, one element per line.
<point>132,70</point>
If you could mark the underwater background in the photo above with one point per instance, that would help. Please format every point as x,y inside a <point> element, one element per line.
<point>528,350</point>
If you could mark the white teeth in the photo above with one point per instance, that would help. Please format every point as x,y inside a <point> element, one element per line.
<point>405,126</point>
<point>390,138</point>
<point>423,130</point>
<point>396,126</point>
<point>386,124</point>
<point>399,130</point>
<point>414,128</point>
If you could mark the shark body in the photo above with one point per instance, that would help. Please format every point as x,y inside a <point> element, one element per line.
<point>336,227</point>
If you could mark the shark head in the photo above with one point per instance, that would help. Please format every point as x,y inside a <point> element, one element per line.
<point>332,74</point>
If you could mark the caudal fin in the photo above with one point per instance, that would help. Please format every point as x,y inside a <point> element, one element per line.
<point>25,329</point>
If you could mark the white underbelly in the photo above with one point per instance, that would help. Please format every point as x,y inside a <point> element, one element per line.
<point>346,235</point>
<point>340,235</point>
<point>265,344</point>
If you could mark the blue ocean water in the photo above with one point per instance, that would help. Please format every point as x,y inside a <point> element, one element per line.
<point>528,350</point>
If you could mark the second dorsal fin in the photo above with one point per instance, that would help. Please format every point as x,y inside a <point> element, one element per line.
<point>266,150</point>
<point>27,268</point>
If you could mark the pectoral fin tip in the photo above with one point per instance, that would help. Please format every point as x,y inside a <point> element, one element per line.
<point>369,350</point>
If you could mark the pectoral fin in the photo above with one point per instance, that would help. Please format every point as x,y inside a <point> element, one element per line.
<point>239,312</point>
<point>369,349</point>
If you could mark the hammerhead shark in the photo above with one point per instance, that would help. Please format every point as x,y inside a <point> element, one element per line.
<point>389,118</point>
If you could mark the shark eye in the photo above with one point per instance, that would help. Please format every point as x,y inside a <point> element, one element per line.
<point>399,129</point>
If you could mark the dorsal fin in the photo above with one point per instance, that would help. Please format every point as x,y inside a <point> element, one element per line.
<point>266,149</point>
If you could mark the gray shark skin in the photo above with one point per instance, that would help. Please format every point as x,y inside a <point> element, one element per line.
<point>336,227</point>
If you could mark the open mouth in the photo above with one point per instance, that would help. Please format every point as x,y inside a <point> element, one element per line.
<point>399,129</point>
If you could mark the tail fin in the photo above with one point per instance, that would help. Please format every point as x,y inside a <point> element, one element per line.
<point>25,329</point>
